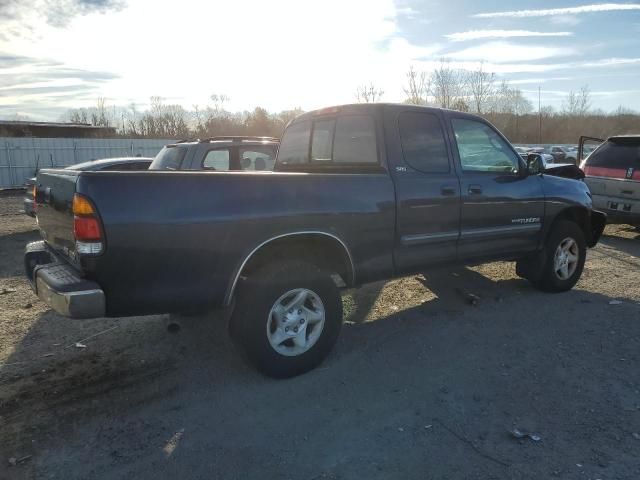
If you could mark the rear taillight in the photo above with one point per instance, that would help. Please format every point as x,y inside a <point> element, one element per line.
<point>86,226</point>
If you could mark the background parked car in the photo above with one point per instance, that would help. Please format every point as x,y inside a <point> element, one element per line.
<point>563,154</point>
<point>219,154</point>
<point>124,163</point>
<point>612,173</point>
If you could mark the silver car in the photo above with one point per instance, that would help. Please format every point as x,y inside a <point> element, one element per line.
<point>612,173</point>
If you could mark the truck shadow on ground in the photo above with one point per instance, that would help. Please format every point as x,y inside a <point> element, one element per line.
<point>13,244</point>
<point>623,240</point>
<point>139,398</point>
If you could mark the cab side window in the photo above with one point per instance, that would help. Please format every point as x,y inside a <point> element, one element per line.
<point>322,140</point>
<point>355,140</point>
<point>423,144</point>
<point>481,149</point>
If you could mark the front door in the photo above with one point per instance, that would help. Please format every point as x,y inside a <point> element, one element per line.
<point>427,193</point>
<point>502,209</point>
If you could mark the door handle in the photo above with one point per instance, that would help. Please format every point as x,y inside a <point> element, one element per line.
<point>447,190</point>
<point>475,189</point>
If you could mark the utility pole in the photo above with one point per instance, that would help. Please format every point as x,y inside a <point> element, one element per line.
<point>539,116</point>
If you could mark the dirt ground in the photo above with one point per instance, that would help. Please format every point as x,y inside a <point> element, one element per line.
<point>422,384</point>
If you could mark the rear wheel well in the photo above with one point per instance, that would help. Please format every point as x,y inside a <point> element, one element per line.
<point>322,250</point>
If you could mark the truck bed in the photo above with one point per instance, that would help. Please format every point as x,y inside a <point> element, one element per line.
<point>181,235</point>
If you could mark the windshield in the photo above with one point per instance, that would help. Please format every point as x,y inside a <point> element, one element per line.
<point>169,158</point>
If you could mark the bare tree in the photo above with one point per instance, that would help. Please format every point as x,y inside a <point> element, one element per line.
<point>584,100</point>
<point>506,99</point>
<point>577,103</point>
<point>448,85</point>
<point>219,99</point>
<point>286,116</point>
<point>369,93</point>
<point>99,115</point>
<point>417,88</point>
<point>481,87</point>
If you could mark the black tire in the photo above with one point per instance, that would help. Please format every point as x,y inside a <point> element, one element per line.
<point>549,280</point>
<point>257,295</point>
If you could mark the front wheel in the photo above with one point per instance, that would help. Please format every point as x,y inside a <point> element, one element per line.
<point>287,318</point>
<point>566,252</point>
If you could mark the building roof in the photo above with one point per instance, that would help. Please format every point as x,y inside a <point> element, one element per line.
<point>21,123</point>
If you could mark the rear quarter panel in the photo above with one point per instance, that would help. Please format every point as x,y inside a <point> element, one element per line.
<point>174,240</point>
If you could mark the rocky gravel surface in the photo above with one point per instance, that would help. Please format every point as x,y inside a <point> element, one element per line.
<point>463,373</point>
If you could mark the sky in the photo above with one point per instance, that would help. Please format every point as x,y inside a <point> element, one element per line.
<point>283,54</point>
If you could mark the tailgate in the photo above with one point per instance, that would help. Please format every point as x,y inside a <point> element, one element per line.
<point>55,190</point>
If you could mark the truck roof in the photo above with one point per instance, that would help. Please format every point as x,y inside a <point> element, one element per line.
<point>370,107</point>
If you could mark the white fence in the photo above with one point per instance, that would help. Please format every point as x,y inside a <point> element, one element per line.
<point>20,158</point>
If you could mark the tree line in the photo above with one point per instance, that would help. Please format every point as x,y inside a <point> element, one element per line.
<point>477,91</point>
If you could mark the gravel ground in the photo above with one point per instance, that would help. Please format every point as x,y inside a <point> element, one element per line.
<point>422,384</point>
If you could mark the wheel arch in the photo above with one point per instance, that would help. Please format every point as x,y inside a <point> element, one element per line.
<point>582,217</point>
<point>319,247</point>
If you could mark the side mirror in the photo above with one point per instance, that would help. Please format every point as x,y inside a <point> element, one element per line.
<point>535,164</point>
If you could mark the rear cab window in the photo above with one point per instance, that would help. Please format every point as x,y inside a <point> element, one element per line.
<point>169,158</point>
<point>346,141</point>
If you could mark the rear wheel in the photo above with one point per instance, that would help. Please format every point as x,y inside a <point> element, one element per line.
<point>287,318</point>
<point>565,254</point>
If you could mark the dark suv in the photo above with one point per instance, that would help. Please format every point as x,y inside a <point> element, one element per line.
<point>219,154</point>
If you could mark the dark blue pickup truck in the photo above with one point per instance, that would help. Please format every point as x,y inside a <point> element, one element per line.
<point>359,193</point>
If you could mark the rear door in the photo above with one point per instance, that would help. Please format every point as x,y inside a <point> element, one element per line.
<point>427,191</point>
<point>502,210</point>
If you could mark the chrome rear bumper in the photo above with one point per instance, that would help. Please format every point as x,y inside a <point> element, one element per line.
<point>60,286</point>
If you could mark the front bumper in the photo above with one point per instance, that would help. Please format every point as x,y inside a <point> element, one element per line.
<point>59,285</point>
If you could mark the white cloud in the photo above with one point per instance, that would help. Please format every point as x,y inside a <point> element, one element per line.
<point>478,34</point>
<point>612,62</point>
<point>309,57</point>
<point>518,67</point>
<point>601,93</point>
<point>601,7</point>
<point>537,81</point>
<point>502,52</point>
<point>565,20</point>
<point>407,11</point>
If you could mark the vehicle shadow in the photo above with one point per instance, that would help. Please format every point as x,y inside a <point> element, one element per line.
<point>10,244</point>
<point>472,358</point>
<point>623,238</point>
